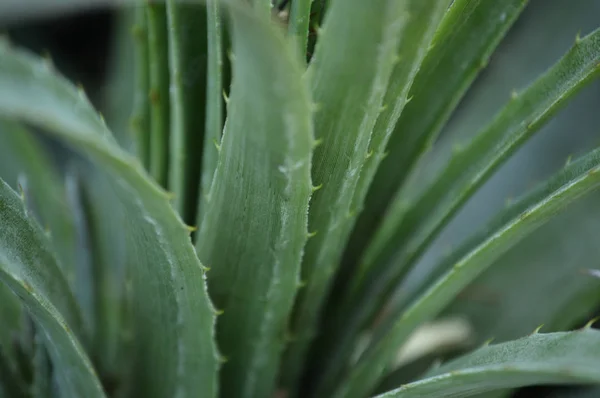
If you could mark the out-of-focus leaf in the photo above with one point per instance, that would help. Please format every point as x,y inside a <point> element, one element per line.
<point>466,264</point>
<point>140,117</point>
<point>173,318</point>
<point>28,267</point>
<point>412,223</point>
<point>512,297</point>
<point>255,224</point>
<point>555,358</point>
<point>187,28</point>
<point>158,78</point>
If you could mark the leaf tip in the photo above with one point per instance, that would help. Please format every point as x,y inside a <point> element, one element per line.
<point>369,154</point>
<point>487,342</point>
<point>311,234</point>
<point>317,142</point>
<point>578,38</point>
<point>315,188</point>
<point>514,94</point>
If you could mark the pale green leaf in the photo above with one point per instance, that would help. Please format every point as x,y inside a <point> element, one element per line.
<point>555,358</point>
<point>29,268</point>
<point>423,18</point>
<point>461,48</point>
<point>213,127</point>
<point>255,223</point>
<point>412,223</point>
<point>173,319</point>
<point>348,77</point>
<point>474,257</point>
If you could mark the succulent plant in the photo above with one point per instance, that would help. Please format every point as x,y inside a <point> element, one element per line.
<point>248,233</point>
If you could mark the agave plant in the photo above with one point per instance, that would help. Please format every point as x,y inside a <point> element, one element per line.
<point>251,241</point>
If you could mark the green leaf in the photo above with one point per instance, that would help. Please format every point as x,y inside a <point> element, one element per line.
<point>416,37</point>
<point>298,24</point>
<point>29,269</point>
<point>467,263</point>
<point>120,88</point>
<point>11,384</point>
<point>461,48</point>
<point>213,127</point>
<point>179,355</point>
<point>416,221</point>
<point>504,304</point>
<point>140,118</point>
<point>348,78</point>
<point>25,163</point>
<point>554,358</point>
<point>187,27</point>
<point>255,224</point>
<point>158,64</point>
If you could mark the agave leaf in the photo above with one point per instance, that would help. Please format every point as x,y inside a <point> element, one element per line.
<point>554,358</point>
<point>445,75</point>
<point>41,385</point>
<point>467,263</point>
<point>25,166</point>
<point>417,34</point>
<point>187,27</point>
<point>298,24</point>
<point>255,224</point>
<point>11,384</point>
<point>140,118</point>
<point>174,348</point>
<point>28,267</point>
<point>503,303</point>
<point>158,77</point>
<point>25,163</point>
<point>103,232</point>
<point>213,127</point>
<point>118,96</point>
<point>417,222</point>
<point>348,77</point>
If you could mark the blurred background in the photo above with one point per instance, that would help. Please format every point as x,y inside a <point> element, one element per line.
<point>93,48</point>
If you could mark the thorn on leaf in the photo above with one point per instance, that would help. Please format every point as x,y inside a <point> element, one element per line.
<point>537,330</point>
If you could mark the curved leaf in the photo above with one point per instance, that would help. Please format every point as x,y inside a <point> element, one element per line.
<point>420,26</point>
<point>476,255</point>
<point>418,222</point>
<point>461,48</point>
<point>348,77</point>
<point>555,358</point>
<point>255,224</point>
<point>173,318</point>
<point>29,269</point>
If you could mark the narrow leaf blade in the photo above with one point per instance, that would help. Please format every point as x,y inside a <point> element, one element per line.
<point>29,269</point>
<point>255,224</point>
<point>476,255</point>
<point>178,355</point>
<point>554,358</point>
